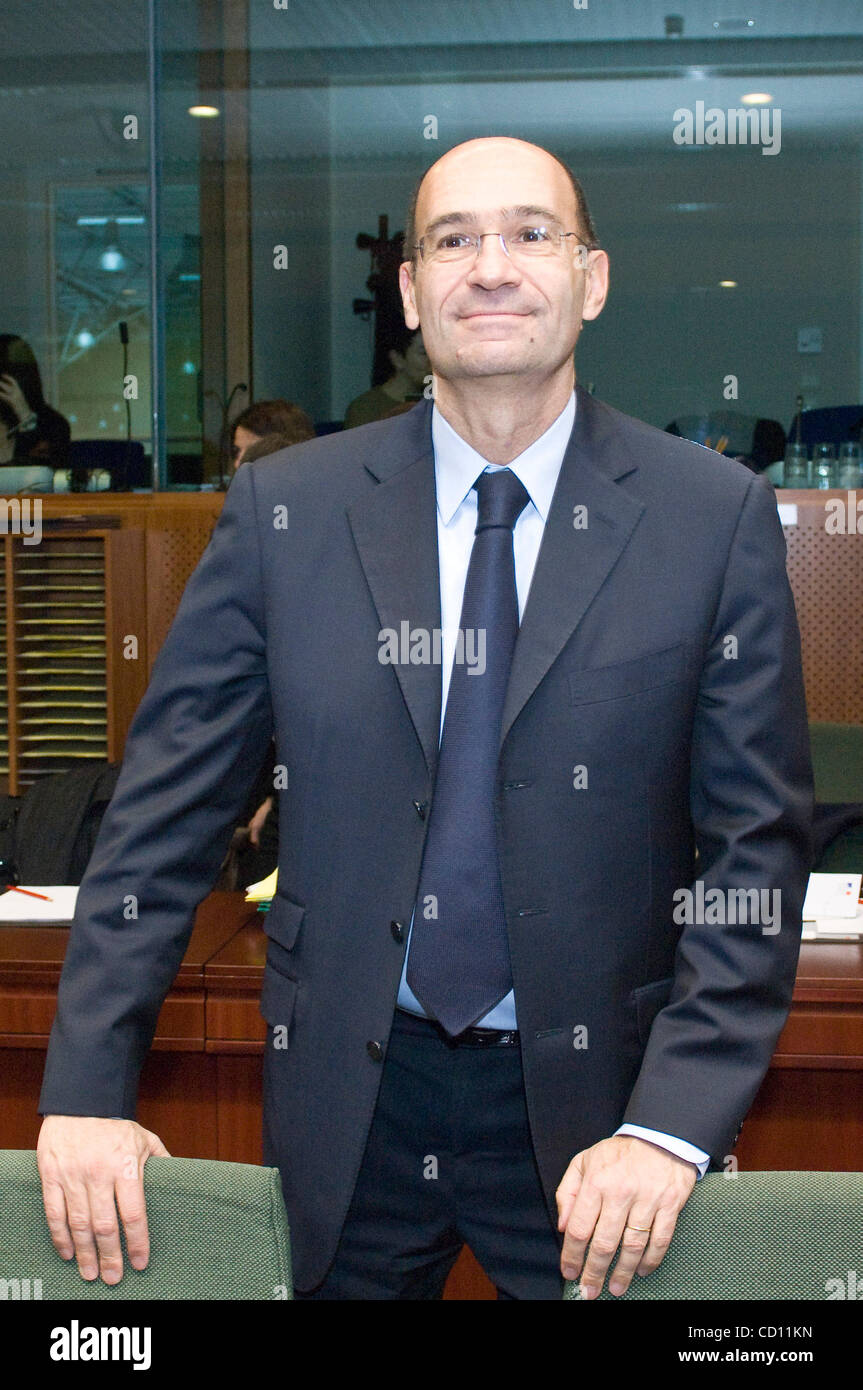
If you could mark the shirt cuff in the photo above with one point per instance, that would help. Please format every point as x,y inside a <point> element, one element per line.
<point>675,1146</point>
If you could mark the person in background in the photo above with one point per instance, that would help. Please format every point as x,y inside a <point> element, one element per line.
<point>270,444</point>
<point>410,369</point>
<point>281,418</point>
<point>30,430</point>
<point>749,439</point>
<point>261,852</point>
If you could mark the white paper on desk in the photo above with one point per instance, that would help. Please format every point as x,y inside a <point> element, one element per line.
<point>825,927</point>
<point>18,907</point>
<point>831,895</point>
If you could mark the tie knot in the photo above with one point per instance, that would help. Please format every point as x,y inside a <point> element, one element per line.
<point>501,499</point>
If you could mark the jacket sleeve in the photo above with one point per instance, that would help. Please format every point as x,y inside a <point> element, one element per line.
<point>751,806</point>
<point>194,746</point>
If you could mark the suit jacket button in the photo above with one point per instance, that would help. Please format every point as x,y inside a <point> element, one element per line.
<point>375,1051</point>
<point>398,931</point>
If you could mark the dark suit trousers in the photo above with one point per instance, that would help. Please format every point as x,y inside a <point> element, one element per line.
<point>448,1160</point>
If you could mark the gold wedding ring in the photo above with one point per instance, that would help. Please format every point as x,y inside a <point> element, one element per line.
<point>647,1229</point>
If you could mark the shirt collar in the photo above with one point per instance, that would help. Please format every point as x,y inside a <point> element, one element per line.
<point>458,465</point>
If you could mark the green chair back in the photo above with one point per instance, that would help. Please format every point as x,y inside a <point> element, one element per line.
<point>761,1236</point>
<point>217,1231</point>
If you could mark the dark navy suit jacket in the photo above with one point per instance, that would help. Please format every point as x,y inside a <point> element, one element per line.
<point>691,742</point>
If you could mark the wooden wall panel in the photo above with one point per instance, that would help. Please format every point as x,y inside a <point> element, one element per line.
<point>172,556</point>
<point>826,576</point>
<point>825,571</point>
<point>149,545</point>
<point>125,591</point>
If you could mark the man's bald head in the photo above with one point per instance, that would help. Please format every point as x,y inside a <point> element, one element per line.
<point>584,226</point>
<point>510,321</point>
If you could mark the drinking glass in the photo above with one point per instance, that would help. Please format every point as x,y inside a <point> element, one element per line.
<point>824,466</point>
<point>849,465</point>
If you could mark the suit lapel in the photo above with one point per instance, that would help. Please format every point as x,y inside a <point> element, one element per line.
<point>395,531</point>
<point>573,563</point>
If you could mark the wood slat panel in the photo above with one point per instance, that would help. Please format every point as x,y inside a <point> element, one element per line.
<point>114,567</point>
<point>58,604</point>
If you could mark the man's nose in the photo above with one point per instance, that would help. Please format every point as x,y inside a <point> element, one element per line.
<point>492,264</point>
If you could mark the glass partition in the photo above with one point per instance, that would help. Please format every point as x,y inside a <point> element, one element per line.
<point>74,245</point>
<point>721,160</point>
<point>277,144</point>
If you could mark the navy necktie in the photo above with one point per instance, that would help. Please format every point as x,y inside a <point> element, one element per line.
<point>458,966</point>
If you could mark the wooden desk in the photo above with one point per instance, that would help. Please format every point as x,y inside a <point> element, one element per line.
<point>808,1113</point>
<point>201,1084</point>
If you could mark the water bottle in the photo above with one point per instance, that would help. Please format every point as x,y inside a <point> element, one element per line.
<point>796,472</point>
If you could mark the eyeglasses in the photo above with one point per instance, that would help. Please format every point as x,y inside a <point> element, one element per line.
<point>527,243</point>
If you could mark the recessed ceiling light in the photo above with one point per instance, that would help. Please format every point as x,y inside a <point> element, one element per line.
<point>204,111</point>
<point>757,98</point>
<point>728,284</point>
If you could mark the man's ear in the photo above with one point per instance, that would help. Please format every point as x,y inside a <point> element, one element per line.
<point>408,291</point>
<point>596,289</point>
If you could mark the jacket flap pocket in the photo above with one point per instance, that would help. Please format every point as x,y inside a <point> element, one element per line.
<point>648,1001</point>
<point>282,921</point>
<point>630,677</point>
<point>278,996</point>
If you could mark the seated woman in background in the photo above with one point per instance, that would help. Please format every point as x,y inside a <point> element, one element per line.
<point>265,418</point>
<point>30,431</point>
<point>410,369</point>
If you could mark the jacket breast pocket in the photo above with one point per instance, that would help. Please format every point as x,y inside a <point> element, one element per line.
<point>623,678</point>
<point>647,1002</point>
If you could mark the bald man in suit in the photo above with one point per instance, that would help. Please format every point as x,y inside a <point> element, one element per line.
<point>533,669</point>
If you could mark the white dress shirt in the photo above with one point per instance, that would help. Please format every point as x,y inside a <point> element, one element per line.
<point>457,466</point>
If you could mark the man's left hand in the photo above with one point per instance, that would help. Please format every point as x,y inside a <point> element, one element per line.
<point>623,1191</point>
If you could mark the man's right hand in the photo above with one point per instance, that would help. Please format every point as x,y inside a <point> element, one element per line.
<point>85,1163</point>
